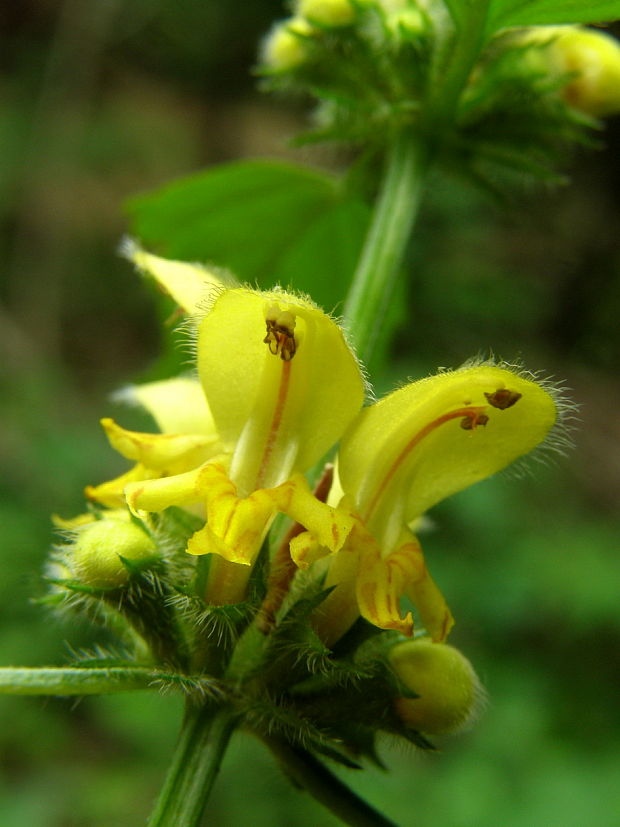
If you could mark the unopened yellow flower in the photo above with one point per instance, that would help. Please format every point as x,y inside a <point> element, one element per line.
<point>100,548</point>
<point>286,48</point>
<point>329,13</point>
<point>400,457</point>
<point>589,59</point>
<point>449,692</point>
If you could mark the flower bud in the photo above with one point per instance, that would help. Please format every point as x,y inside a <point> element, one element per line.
<point>449,692</point>
<point>100,548</point>
<point>329,13</point>
<point>403,15</point>
<point>284,48</point>
<point>592,57</point>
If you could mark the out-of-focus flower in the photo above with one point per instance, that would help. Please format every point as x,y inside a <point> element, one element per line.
<point>285,48</point>
<point>590,61</point>
<point>327,13</point>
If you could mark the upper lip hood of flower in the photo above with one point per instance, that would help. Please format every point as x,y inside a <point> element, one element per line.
<point>190,285</point>
<point>439,435</point>
<point>277,406</point>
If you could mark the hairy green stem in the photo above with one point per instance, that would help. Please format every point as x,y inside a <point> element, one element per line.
<point>195,765</point>
<point>378,267</point>
<point>324,786</point>
<point>75,681</point>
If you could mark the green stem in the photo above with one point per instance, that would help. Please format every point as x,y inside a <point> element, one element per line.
<point>75,681</point>
<point>325,787</point>
<point>195,765</point>
<point>378,268</point>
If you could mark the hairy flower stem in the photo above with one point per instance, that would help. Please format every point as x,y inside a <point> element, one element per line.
<point>305,770</point>
<point>195,765</point>
<point>72,681</point>
<point>395,213</point>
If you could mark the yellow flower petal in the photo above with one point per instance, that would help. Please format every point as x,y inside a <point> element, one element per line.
<point>190,285</point>
<point>235,527</point>
<point>328,526</point>
<point>112,493</point>
<point>434,613</point>
<point>380,584</point>
<point>305,549</point>
<point>177,405</point>
<point>279,400</point>
<point>157,494</point>
<point>159,452</point>
<point>368,583</point>
<point>437,436</point>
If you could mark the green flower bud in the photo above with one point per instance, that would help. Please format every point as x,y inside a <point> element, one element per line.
<point>284,48</point>
<point>99,547</point>
<point>593,57</point>
<point>448,689</point>
<point>403,14</point>
<point>330,13</point>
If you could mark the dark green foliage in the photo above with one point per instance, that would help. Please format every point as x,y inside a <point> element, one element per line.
<point>268,222</point>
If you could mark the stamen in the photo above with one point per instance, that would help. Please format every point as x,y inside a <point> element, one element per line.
<point>502,398</point>
<point>468,423</point>
<point>470,418</point>
<point>280,336</point>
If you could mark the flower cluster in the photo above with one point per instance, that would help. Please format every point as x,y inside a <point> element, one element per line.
<point>277,386</point>
<point>379,66</point>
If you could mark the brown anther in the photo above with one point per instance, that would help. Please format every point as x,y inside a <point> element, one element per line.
<point>281,340</point>
<point>468,423</point>
<point>503,398</point>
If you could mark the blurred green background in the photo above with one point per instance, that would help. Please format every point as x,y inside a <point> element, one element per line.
<point>106,99</point>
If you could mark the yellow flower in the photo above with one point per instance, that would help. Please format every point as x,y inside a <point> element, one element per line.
<point>188,436</point>
<point>400,457</point>
<point>187,439</point>
<point>589,59</point>
<point>328,13</point>
<point>278,386</point>
<point>190,285</point>
<point>286,46</point>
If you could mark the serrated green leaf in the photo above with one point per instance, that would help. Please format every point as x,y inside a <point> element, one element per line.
<point>269,222</point>
<point>503,13</point>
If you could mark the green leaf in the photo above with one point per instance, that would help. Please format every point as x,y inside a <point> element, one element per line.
<point>268,222</point>
<point>458,10</point>
<point>537,12</point>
